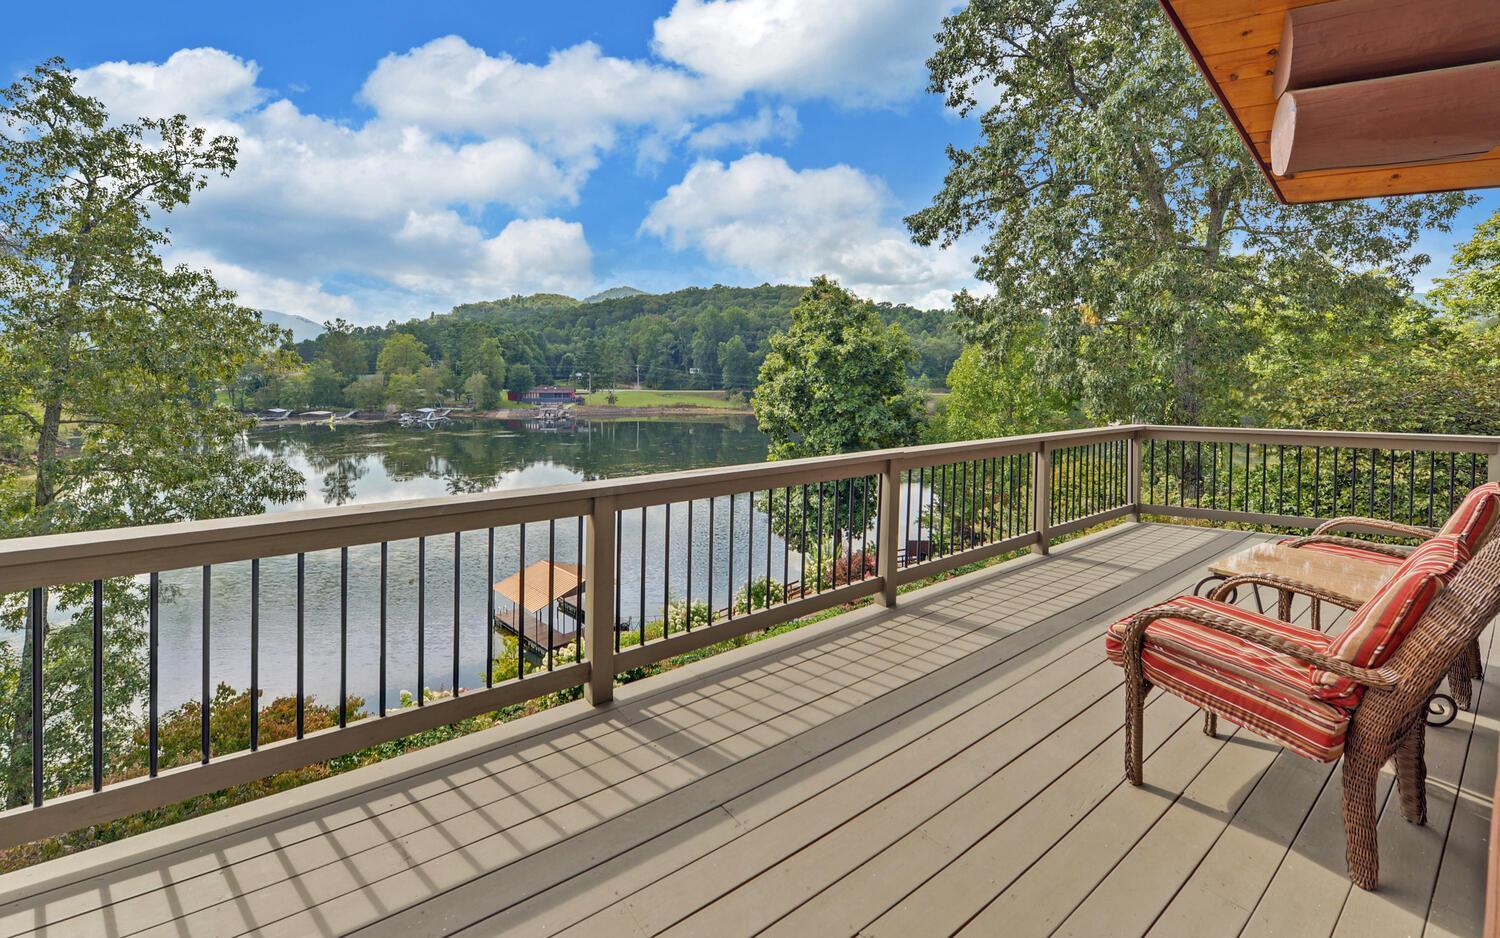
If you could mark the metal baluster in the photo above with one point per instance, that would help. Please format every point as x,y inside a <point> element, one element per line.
<point>153,672</point>
<point>552,590</point>
<point>1335,480</point>
<point>712,535</point>
<point>302,634</point>
<point>1429,489</point>
<point>384,559</point>
<point>489,603</point>
<point>38,717</point>
<point>578,561</point>
<point>641,578</point>
<point>692,535</point>
<point>206,710</point>
<point>457,593</point>
<point>254,655</point>
<point>98,688</point>
<point>520,604</point>
<point>1374,464</point>
<point>619,551</point>
<point>666,571</point>
<point>343,637</point>
<point>422,621</point>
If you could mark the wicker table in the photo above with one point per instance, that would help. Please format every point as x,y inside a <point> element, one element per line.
<point>1347,576</point>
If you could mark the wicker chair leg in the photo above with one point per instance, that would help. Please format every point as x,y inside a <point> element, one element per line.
<point>1210,723</point>
<point>1411,773</point>
<point>1135,705</point>
<point>1361,772</point>
<point>1467,669</point>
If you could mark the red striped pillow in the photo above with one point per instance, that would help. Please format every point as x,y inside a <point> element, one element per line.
<point>1475,517</point>
<point>1379,626</point>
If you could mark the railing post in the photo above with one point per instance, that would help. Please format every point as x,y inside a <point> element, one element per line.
<point>1042,493</point>
<point>1493,461</point>
<point>1134,476</point>
<point>599,601</point>
<point>888,534</point>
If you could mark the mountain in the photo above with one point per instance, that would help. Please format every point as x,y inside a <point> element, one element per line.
<point>615,293</point>
<point>302,328</point>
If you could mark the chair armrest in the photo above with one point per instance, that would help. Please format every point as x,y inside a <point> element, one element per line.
<point>1309,590</point>
<point>1135,634</point>
<point>1380,526</point>
<point>1374,547</point>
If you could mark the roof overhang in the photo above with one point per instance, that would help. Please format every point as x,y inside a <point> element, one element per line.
<point>1410,83</point>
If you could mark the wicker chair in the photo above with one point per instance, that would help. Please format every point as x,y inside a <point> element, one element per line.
<point>1472,521</point>
<point>1379,715</point>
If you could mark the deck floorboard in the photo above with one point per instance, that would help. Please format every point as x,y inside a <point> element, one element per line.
<point>951,766</point>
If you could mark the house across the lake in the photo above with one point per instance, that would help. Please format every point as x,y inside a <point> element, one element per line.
<point>547,394</point>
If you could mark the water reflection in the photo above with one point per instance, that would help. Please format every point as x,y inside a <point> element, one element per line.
<point>351,465</point>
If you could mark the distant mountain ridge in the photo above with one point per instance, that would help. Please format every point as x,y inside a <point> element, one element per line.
<point>614,293</point>
<point>301,327</point>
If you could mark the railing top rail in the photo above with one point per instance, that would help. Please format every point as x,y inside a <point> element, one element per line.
<point>1436,442</point>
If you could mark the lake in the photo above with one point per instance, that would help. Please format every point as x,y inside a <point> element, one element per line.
<point>359,464</point>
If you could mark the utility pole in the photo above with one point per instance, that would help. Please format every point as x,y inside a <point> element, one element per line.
<point>637,376</point>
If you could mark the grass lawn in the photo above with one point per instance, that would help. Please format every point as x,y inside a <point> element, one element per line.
<point>627,397</point>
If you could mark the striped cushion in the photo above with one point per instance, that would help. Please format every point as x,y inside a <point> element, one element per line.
<point>1378,627</point>
<point>1474,518</point>
<point>1263,690</point>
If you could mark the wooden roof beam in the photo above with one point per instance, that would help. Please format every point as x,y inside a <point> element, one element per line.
<point>1444,115</point>
<point>1353,40</point>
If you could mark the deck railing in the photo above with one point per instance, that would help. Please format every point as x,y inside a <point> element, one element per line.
<point>360,601</point>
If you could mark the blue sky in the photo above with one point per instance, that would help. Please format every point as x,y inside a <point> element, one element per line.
<point>399,158</point>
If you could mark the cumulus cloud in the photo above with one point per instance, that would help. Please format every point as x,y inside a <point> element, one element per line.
<point>201,83</point>
<point>759,214</point>
<point>871,52</point>
<point>315,202</point>
<point>579,99</point>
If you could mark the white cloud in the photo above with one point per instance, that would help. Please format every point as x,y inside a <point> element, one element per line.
<point>870,52</point>
<point>765,124</point>
<point>201,83</point>
<point>315,201</point>
<point>778,223</point>
<point>578,100</point>
<point>261,291</point>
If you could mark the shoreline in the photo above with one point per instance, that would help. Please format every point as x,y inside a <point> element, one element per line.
<point>586,411</point>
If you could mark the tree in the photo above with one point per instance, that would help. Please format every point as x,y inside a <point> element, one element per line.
<point>343,349</point>
<point>1121,215</point>
<point>738,371</point>
<point>1472,288</point>
<point>325,384</point>
<point>405,391</point>
<point>110,368</point>
<point>402,354</point>
<point>367,392</point>
<point>478,390</point>
<point>519,379</point>
<point>834,382</point>
<point>996,395</point>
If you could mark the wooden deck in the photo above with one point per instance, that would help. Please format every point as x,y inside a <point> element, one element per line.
<point>950,766</point>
